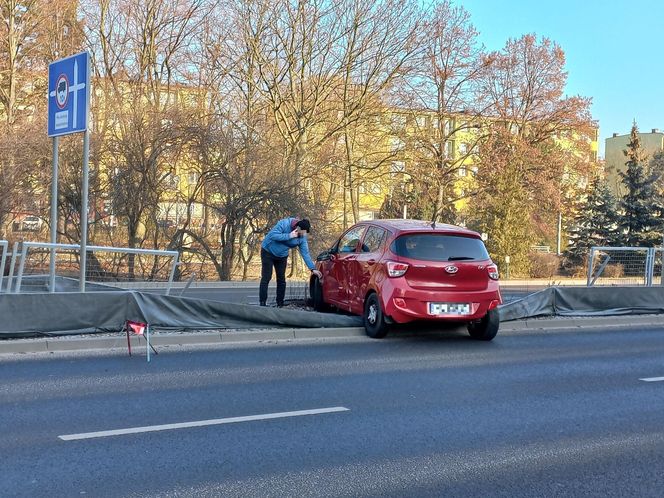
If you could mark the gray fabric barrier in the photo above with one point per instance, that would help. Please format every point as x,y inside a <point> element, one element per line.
<point>36,314</point>
<point>29,315</point>
<point>586,301</point>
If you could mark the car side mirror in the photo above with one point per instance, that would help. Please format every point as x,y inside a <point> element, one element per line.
<point>324,256</point>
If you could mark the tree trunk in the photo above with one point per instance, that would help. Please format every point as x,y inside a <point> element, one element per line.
<point>228,233</point>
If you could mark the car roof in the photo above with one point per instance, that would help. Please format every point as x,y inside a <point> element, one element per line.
<point>411,226</point>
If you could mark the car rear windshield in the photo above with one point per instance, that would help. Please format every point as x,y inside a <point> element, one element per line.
<point>439,247</point>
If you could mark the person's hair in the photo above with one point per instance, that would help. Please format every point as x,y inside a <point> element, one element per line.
<point>304,224</point>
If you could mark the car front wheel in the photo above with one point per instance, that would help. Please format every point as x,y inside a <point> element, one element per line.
<point>486,327</point>
<point>319,303</point>
<point>374,319</point>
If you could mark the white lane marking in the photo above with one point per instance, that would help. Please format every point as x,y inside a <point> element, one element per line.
<point>652,379</point>
<point>201,423</point>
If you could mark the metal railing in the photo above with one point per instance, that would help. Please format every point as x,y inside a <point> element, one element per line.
<point>3,260</point>
<point>624,265</point>
<point>105,265</point>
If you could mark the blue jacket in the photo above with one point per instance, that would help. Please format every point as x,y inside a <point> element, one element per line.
<point>278,242</point>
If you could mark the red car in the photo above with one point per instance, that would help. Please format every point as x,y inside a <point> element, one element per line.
<point>398,271</point>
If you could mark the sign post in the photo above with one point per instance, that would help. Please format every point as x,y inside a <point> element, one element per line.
<point>69,112</point>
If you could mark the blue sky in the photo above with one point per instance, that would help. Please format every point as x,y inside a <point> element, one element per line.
<point>613,49</point>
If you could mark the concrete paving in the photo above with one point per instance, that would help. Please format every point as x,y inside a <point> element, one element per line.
<point>216,337</point>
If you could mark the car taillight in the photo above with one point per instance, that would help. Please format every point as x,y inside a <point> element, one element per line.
<point>493,272</point>
<point>396,269</point>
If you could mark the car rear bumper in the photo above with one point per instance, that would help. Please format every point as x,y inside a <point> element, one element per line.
<point>404,305</point>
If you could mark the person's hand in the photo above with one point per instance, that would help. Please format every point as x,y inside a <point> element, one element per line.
<point>317,273</point>
<point>294,234</point>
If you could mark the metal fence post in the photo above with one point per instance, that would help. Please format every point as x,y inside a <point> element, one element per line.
<point>189,281</point>
<point>650,266</point>
<point>3,244</point>
<point>591,257</point>
<point>172,273</point>
<point>21,267</point>
<point>11,267</point>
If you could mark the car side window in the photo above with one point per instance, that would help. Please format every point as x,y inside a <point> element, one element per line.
<point>374,239</point>
<point>349,241</point>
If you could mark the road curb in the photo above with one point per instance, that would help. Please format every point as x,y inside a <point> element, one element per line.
<point>582,322</point>
<point>68,343</point>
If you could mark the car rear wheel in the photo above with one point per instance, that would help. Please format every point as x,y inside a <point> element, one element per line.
<point>374,319</point>
<point>485,328</point>
<point>319,303</point>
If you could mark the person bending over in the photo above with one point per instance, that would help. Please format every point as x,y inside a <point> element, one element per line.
<point>284,236</point>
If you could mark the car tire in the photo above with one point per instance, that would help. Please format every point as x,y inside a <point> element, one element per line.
<point>486,327</point>
<point>318,302</point>
<point>374,319</point>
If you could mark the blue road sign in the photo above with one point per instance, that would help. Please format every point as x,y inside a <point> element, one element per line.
<point>69,95</point>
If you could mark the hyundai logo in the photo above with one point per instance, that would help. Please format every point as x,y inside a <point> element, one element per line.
<point>451,269</point>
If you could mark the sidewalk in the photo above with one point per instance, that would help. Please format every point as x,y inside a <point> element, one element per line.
<point>74,343</point>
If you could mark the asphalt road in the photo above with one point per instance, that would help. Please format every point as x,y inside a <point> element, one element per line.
<point>530,414</point>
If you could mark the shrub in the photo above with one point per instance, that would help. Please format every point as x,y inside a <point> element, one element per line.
<point>543,265</point>
<point>613,271</point>
<point>580,271</point>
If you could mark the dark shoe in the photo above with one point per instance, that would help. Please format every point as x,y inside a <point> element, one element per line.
<point>280,305</point>
<point>263,304</point>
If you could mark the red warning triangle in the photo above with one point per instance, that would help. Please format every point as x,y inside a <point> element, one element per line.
<point>137,328</point>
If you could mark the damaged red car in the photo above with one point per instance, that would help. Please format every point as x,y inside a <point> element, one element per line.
<point>399,271</point>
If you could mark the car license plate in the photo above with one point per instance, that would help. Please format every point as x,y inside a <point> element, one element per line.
<point>449,309</point>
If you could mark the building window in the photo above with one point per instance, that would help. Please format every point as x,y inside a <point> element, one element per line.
<point>463,149</point>
<point>192,178</point>
<point>396,145</point>
<point>449,149</point>
<point>398,121</point>
<point>397,167</point>
<point>449,125</point>
<point>463,171</point>
<point>369,188</point>
<point>172,181</point>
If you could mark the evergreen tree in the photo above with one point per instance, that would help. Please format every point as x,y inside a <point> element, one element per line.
<point>640,223</point>
<point>596,223</point>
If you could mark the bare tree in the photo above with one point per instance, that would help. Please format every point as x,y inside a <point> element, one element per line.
<point>378,46</point>
<point>28,41</point>
<point>526,89</point>
<point>445,107</point>
<point>321,65</point>
<point>141,51</point>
